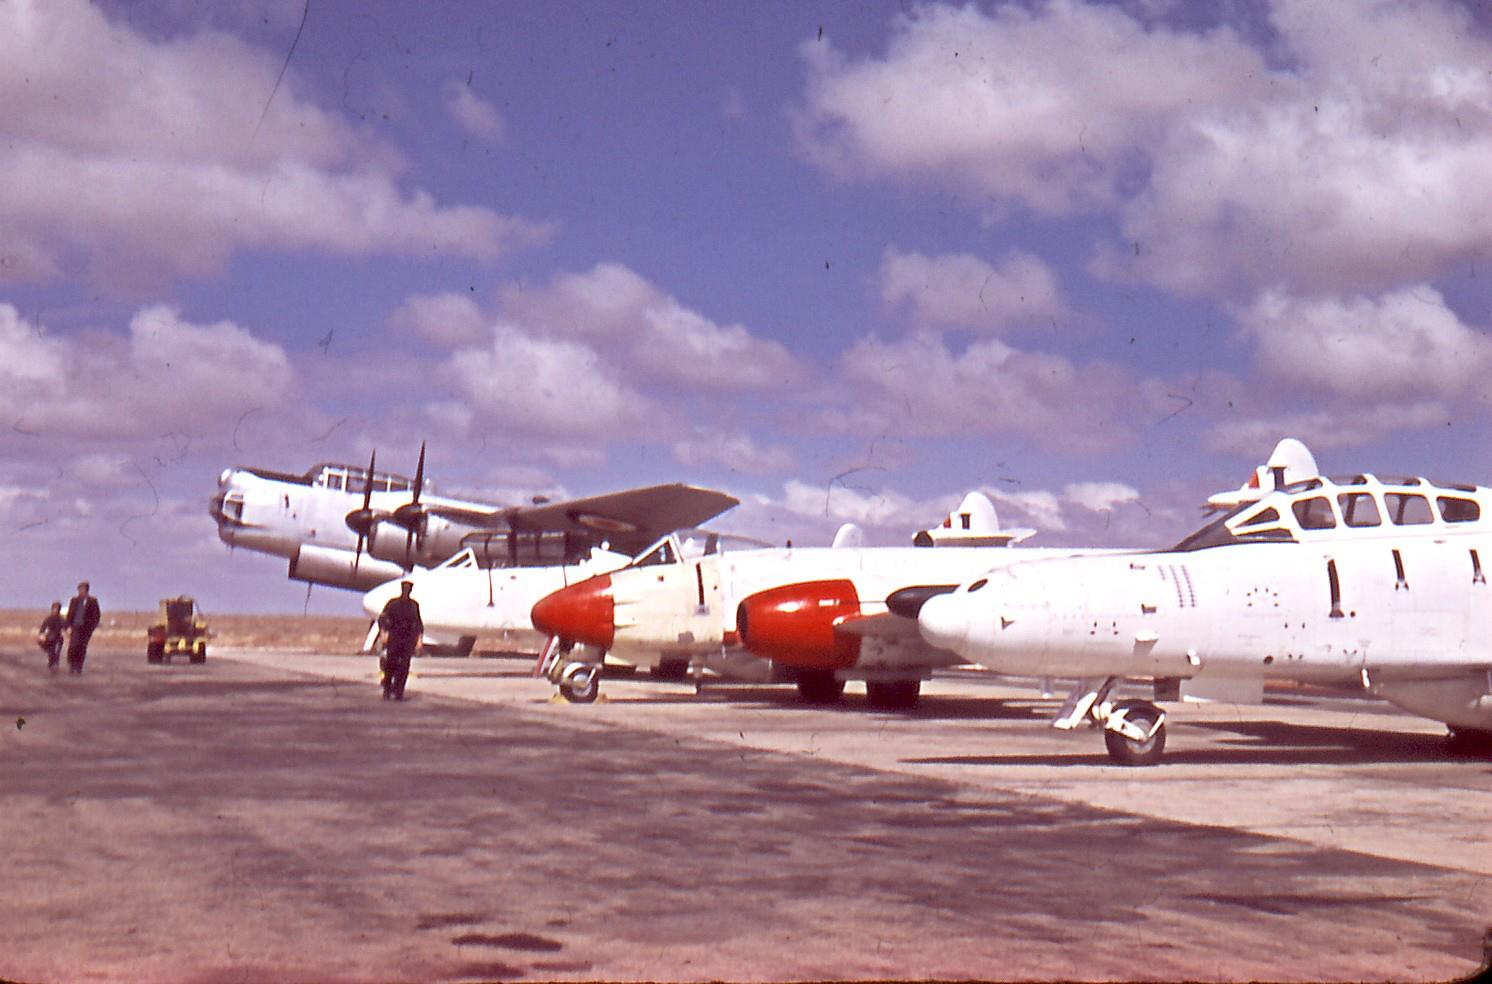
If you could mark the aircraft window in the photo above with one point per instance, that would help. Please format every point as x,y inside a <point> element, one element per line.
<point>1454,510</point>
<point>1398,480</point>
<point>1408,510</point>
<point>356,483</point>
<point>334,482</point>
<point>1314,513</point>
<point>663,553</point>
<point>233,507</point>
<point>1358,509</point>
<point>978,584</point>
<point>1267,515</point>
<point>1349,480</point>
<point>1304,485</point>
<point>1217,534</point>
<point>1458,486</point>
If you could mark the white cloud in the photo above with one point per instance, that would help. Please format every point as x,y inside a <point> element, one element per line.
<point>648,331</point>
<point>1343,426</point>
<point>1401,344</point>
<point>1041,508</point>
<point>1100,496</point>
<point>737,451</point>
<point>448,320</point>
<point>1350,157</point>
<point>919,386</point>
<point>140,160</point>
<point>167,375</point>
<point>475,115</point>
<point>957,290</point>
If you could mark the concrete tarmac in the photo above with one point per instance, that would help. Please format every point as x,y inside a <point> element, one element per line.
<point>266,817</point>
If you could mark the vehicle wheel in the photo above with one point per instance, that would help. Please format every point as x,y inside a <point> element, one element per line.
<point>155,652</point>
<point>200,655</point>
<point>671,669</point>
<point>819,686</point>
<point>1127,751</point>
<point>580,683</point>
<point>893,695</point>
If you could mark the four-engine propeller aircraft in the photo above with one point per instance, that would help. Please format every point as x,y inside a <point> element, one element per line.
<point>350,527</point>
<point>1359,578</point>
<point>674,603</point>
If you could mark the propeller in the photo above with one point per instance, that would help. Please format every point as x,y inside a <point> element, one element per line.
<point>410,515</point>
<point>361,521</point>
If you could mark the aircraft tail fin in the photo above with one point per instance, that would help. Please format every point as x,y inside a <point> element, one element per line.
<point>1291,461</point>
<point>849,536</point>
<point>973,524</point>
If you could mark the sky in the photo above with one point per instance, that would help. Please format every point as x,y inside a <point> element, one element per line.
<point>844,261</point>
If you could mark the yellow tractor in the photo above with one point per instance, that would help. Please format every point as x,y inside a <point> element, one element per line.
<point>181,631</point>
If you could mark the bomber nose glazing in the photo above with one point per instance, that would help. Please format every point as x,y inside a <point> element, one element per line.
<point>583,612</point>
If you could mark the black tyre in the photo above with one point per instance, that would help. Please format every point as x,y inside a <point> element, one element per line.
<point>155,652</point>
<point>199,656</point>
<point>819,686</point>
<point>581,686</point>
<point>1126,751</point>
<point>893,695</point>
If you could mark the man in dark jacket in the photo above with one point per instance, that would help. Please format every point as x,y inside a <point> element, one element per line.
<point>402,628</point>
<point>82,618</point>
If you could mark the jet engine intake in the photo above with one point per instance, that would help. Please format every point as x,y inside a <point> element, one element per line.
<point>341,568</point>
<point>795,624</point>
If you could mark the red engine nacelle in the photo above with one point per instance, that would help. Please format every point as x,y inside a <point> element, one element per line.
<point>794,624</point>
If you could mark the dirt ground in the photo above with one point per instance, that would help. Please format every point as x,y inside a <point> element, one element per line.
<point>322,633</point>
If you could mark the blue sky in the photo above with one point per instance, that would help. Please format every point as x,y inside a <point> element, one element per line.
<point>845,261</point>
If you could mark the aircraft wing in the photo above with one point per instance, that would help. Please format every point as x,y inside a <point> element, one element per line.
<point>630,520</point>
<point>884,625</point>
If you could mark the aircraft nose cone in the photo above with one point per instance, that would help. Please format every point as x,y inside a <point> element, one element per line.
<point>583,612</point>
<point>944,621</point>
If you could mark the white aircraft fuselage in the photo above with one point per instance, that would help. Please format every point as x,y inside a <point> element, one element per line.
<point>1348,579</point>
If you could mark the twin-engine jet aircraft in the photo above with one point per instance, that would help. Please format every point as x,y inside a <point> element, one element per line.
<point>351,527</point>
<point>678,601</point>
<point>1360,579</point>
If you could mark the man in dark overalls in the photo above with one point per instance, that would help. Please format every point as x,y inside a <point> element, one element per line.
<point>82,618</point>
<point>402,628</point>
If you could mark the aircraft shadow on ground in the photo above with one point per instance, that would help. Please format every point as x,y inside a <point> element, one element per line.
<point>1250,743</point>
<point>785,698</point>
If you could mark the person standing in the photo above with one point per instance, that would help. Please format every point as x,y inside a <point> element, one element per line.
<point>49,636</point>
<point>82,618</point>
<point>402,628</point>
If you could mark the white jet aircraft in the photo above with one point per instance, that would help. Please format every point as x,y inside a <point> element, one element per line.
<point>1359,578</point>
<point>675,604</point>
<point>349,527</point>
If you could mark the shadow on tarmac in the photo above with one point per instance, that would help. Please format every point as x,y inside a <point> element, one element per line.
<point>1254,743</point>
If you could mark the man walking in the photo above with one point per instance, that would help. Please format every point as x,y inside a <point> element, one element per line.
<point>82,618</point>
<point>402,628</point>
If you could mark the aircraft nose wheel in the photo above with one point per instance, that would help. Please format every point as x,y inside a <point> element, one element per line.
<point>580,683</point>
<point>1135,733</point>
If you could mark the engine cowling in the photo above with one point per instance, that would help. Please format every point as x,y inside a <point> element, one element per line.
<point>795,624</point>
<point>341,568</point>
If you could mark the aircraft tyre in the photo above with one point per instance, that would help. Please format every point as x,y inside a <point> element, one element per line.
<point>580,683</point>
<point>893,695</point>
<point>819,686</point>
<point>1128,751</point>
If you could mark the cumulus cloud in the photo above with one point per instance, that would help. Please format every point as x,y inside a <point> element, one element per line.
<point>957,290</point>
<point>1403,343</point>
<point>1041,508</point>
<point>1100,496</point>
<point>737,451</point>
<point>448,320</point>
<point>1349,157</point>
<point>475,115</point>
<point>649,331</point>
<point>920,386</point>
<point>139,159</point>
<point>167,374</point>
<point>1343,426</point>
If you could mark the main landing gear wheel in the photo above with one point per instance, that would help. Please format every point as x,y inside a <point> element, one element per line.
<point>1140,735</point>
<point>580,683</point>
<point>893,695</point>
<point>819,686</point>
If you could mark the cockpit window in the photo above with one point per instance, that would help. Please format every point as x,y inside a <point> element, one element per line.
<point>1314,513</point>
<point>334,482</point>
<point>1266,515</point>
<point>663,553</point>
<point>1456,510</point>
<point>978,584</point>
<point>1358,509</point>
<point>1406,509</point>
<point>1349,480</point>
<point>1217,533</point>
<point>1304,485</point>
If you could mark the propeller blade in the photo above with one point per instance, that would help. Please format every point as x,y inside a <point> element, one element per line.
<point>419,475</point>
<point>365,515</point>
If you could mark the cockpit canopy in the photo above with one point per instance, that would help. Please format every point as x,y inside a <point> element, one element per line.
<point>351,478</point>
<point>687,546</point>
<point>1343,505</point>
